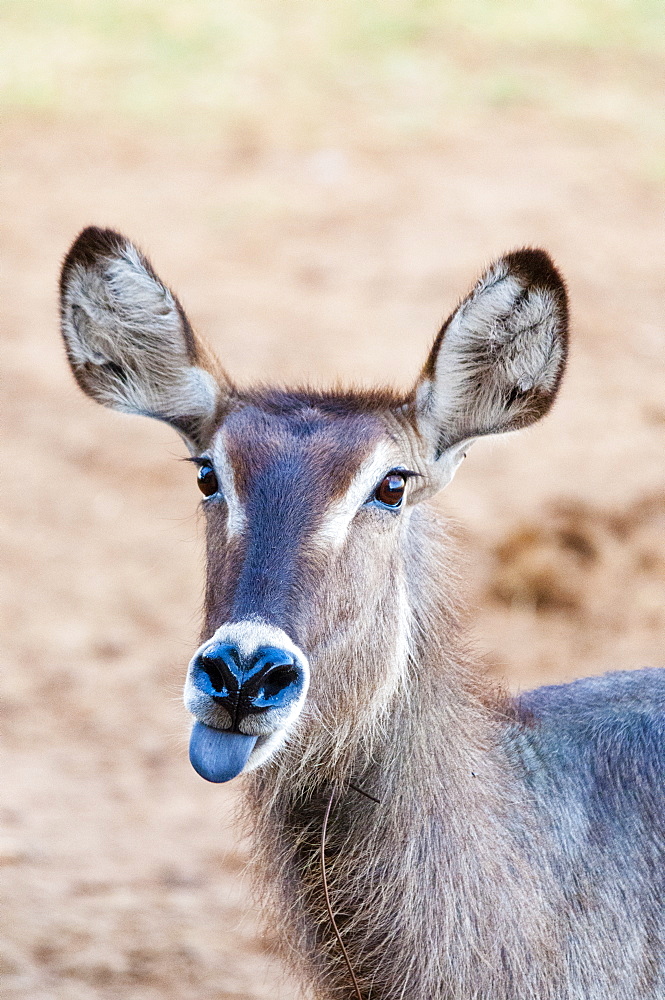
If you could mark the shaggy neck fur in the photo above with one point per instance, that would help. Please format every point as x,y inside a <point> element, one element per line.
<point>441,890</point>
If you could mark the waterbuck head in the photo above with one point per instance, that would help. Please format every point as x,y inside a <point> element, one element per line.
<point>313,501</point>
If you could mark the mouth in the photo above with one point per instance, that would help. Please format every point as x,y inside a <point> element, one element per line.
<point>217,754</point>
<point>245,687</point>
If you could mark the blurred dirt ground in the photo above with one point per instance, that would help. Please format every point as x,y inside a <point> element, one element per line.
<point>121,875</point>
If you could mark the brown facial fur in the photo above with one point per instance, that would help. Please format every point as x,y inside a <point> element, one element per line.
<point>292,456</point>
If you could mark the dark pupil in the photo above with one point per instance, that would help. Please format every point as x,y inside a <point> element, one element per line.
<point>391,490</point>
<point>207,480</point>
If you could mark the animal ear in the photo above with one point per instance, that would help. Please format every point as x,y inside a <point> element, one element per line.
<point>497,362</point>
<point>128,341</point>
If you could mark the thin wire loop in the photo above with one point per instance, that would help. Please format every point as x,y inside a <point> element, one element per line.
<point>331,915</point>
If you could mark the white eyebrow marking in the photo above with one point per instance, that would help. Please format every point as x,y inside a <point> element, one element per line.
<point>339,516</point>
<point>236,518</point>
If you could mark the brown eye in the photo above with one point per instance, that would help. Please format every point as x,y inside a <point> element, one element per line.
<point>391,490</point>
<point>207,480</point>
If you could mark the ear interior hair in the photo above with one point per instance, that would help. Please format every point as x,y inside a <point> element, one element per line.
<point>128,340</point>
<point>497,362</point>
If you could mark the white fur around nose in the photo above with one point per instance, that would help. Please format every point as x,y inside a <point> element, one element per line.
<point>252,634</point>
<point>248,637</point>
<point>338,518</point>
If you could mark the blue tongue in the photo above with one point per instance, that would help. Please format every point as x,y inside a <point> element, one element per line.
<point>218,755</point>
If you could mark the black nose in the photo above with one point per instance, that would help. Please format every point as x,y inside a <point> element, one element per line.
<point>269,678</point>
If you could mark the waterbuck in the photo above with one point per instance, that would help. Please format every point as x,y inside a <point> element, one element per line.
<point>418,833</point>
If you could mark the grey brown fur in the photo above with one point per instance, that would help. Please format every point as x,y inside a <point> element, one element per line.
<point>518,847</point>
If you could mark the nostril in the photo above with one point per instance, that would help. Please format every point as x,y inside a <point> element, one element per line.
<point>270,678</point>
<point>277,680</point>
<point>210,666</point>
<point>223,667</point>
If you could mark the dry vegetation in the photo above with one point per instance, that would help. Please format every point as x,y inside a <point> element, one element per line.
<point>320,181</point>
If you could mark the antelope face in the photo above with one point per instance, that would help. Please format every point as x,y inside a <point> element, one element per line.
<point>309,498</point>
<point>305,499</point>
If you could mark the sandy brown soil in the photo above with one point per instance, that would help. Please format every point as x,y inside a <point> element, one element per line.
<point>121,876</point>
